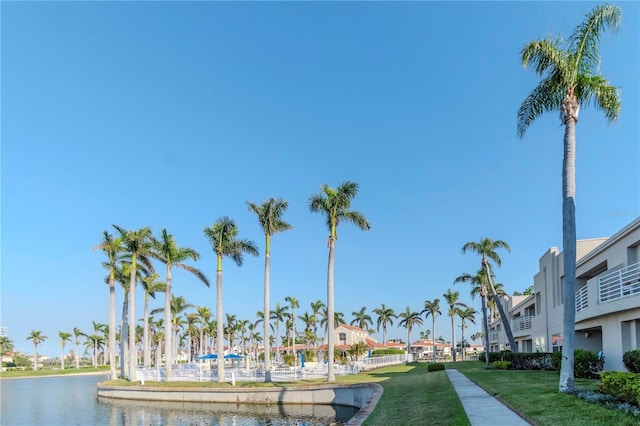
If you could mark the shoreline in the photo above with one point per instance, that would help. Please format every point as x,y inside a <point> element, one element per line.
<point>88,373</point>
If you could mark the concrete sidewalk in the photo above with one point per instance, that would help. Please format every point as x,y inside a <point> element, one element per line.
<point>481,408</point>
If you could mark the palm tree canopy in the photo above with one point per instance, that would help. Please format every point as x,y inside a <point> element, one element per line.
<point>571,69</point>
<point>385,316</point>
<point>335,204</point>
<point>409,319</point>
<point>168,252</point>
<point>223,239</point>
<point>487,248</point>
<point>270,215</point>
<point>431,308</point>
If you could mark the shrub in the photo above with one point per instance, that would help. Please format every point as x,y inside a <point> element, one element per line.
<point>309,356</point>
<point>586,364</point>
<point>434,366</point>
<point>623,385</point>
<point>502,365</point>
<point>289,359</point>
<point>631,360</point>
<point>522,361</point>
<point>390,351</point>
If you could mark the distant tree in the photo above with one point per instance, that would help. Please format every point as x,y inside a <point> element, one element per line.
<point>467,313</point>
<point>432,308</point>
<point>385,316</point>
<point>64,338</point>
<point>454,308</point>
<point>408,321</point>
<point>36,338</point>
<point>361,319</point>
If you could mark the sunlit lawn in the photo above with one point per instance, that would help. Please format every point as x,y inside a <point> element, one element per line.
<point>51,372</point>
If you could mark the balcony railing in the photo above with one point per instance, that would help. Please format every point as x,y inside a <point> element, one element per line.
<point>522,323</point>
<point>582,300</point>
<point>615,285</point>
<point>493,336</point>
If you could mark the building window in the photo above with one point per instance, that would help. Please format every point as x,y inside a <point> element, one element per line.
<point>540,346</point>
<point>343,338</point>
<point>538,303</point>
<point>556,342</point>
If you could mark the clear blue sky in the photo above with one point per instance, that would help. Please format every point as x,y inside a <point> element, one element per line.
<point>171,115</point>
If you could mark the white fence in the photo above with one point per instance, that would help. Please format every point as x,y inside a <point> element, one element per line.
<point>582,299</point>
<point>202,372</point>
<point>618,284</point>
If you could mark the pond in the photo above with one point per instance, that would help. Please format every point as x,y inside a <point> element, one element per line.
<point>72,400</point>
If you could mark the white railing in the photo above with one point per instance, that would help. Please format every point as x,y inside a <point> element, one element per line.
<point>494,336</point>
<point>618,284</point>
<point>582,299</point>
<point>522,323</point>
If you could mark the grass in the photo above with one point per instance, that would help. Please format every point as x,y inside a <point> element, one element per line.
<point>48,372</point>
<point>535,396</point>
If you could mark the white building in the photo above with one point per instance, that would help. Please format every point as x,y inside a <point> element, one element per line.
<point>607,300</point>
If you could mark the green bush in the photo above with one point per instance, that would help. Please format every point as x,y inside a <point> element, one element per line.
<point>586,364</point>
<point>309,356</point>
<point>289,359</point>
<point>631,360</point>
<point>522,361</point>
<point>623,385</point>
<point>502,365</point>
<point>434,366</point>
<point>390,351</point>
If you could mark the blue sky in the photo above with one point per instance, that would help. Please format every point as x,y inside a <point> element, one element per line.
<point>171,115</point>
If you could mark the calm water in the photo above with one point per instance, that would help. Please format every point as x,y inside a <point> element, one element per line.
<point>72,400</point>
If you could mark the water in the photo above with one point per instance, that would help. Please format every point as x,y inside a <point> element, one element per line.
<point>72,400</point>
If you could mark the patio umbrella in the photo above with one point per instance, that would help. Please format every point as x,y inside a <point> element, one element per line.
<point>208,356</point>
<point>233,356</point>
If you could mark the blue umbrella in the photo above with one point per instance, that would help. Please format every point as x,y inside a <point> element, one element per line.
<point>208,356</point>
<point>302,360</point>
<point>233,356</point>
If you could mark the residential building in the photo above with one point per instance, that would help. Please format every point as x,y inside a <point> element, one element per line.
<point>607,300</point>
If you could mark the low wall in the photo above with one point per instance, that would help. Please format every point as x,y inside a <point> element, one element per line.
<point>362,396</point>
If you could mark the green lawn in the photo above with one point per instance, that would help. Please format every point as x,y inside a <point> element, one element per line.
<point>51,372</point>
<point>534,394</point>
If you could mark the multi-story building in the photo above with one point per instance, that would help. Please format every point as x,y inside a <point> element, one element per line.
<point>607,300</point>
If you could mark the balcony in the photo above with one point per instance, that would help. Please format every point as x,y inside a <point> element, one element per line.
<point>582,299</point>
<point>522,323</point>
<point>618,284</point>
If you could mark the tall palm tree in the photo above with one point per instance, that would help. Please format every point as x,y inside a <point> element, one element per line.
<point>76,334</point>
<point>270,217</point>
<point>432,308</point>
<point>278,315</point>
<point>177,305</point>
<point>454,307</point>
<point>36,338</point>
<point>335,205</point>
<point>385,316</point>
<point>293,304</point>
<point>138,245</point>
<point>230,329</point>
<point>571,77</point>
<point>361,319</point>
<point>112,248</point>
<point>408,321</point>
<point>466,314</point>
<point>64,338</point>
<point>168,252</point>
<point>479,285</point>
<point>6,345</point>
<point>204,314</point>
<point>487,247</point>
<point>150,285</point>
<point>316,311</point>
<point>223,237</point>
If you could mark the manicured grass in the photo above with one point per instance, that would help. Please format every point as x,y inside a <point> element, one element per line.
<point>535,396</point>
<point>39,373</point>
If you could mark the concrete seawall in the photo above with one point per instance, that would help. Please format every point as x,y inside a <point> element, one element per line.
<point>362,396</point>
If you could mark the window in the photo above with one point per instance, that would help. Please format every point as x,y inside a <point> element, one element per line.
<point>540,346</point>
<point>343,338</point>
<point>556,342</point>
<point>538,303</point>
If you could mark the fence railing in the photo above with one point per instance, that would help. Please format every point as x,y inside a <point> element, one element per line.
<point>615,285</point>
<point>582,298</point>
<point>522,323</point>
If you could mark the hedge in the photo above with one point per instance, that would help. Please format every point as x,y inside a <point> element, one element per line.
<point>434,366</point>
<point>521,361</point>
<point>623,385</point>
<point>631,360</point>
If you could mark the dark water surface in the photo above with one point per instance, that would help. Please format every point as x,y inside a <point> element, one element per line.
<point>72,400</point>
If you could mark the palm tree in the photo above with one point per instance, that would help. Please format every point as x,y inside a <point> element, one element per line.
<point>454,307</point>
<point>112,248</point>
<point>138,244</point>
<point>466,314</point>
<point>316,310</point>
<point>177,306</point>
<point>278,315</point>
<point>168,252</point>
<point>479,284</point>
<point>432,308</point>
<point>293,304</point>
<point>223,239</point>
<point>64,338</point>
<point>36,338</point>
<point>270,217</point>
<point>204,314</point>
<point>361,319</point>
<point>487,249</point>
<point>571,78</point>
<point>385,316</point>
<point>150,285</point>
<point>408,321</point>
<point>76,334</point>
<point>335,205</point>
<point>6,345</point>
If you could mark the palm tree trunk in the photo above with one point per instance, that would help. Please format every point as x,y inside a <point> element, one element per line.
<point>112,327</point>
<point>331,376</point>
<point>132,322</point>
<point>78,356</point>
<point>267,312</point>
<point>168,332</point>
<point>485,325</point>
<point>433,328</point>
<point>35,365</point>
<point>124,333</point>
<point>453,337</point>
<point>503,316</point>
<point>145,332</point>
<point>220,328</point>
<point>567,383</point>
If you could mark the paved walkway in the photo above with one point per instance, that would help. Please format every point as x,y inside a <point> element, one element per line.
<point>482,409</point>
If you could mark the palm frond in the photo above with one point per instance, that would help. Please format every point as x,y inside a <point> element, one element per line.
<point>544,55</point>
<point>607,97</point>
<point>194,271</point>
<point>585,39</point>
<point>547,96</point>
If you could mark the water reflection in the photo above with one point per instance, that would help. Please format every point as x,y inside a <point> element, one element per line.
<point>125,412</point>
